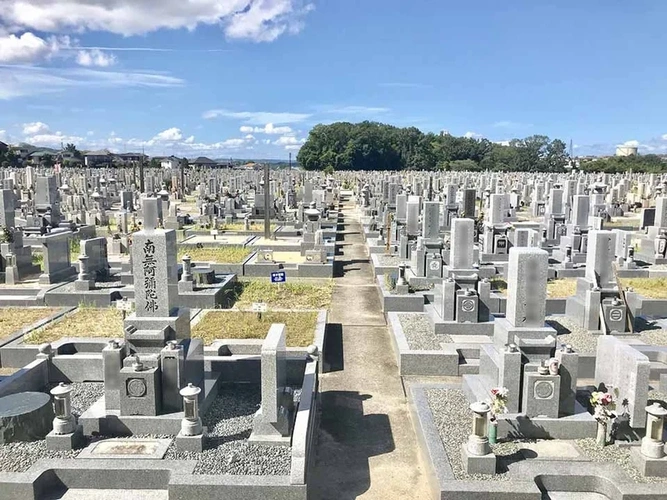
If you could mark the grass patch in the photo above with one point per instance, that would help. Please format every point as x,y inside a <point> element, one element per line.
<point>38,260</point>
<point>633,223</point>
<point>13,319</point>
<point>240,227</point>
<point>217,325</point>
<point>84,322</point>
<point>284,296</point>
<point>561,288</point>
<point>221,254</point>
<point>651,288</point>
<point>499,285</point>
<point>556,289</point>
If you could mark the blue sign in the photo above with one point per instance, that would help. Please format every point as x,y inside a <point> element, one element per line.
<point>278,277</point>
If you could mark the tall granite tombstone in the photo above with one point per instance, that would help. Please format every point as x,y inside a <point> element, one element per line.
<point>158,318</point>
<point>620,366</point>
<point>272,424</point>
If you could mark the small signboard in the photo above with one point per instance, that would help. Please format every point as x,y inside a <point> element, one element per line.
<point>214,232</point>
<point>259,307</point>
<point>278,277</point>
<point>124,305</point>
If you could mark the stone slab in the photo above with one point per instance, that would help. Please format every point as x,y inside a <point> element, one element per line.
<point>125,449</point>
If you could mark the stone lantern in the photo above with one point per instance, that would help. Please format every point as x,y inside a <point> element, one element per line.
<point>652,444</point>
<point>64,423</point>
<point>478,442</point>
<point>66,434</point>
<point>191,424</point>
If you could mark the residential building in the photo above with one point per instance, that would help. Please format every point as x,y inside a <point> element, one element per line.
<point>98,158</point>
<point>170,162</point>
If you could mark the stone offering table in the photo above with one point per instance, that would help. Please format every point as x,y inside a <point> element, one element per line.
<point>25,416</point>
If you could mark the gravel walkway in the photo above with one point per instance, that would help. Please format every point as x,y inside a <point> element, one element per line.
<point>420,333</point>
<point>229,422</point>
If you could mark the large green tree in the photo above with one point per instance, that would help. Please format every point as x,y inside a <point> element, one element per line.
<point>376,146</point>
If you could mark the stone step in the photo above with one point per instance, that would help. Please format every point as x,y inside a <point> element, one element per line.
<point>86,494</point>
<point>657,369</point>
<point>476,387</point>
<point>468,367</point>
<point>20,291</point>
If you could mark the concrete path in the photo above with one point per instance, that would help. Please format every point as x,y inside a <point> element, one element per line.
<point>367,445</point>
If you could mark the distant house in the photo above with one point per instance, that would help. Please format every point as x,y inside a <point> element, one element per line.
<point>170,162</point>
<point>202,161</point>
<point>3,147</point>
<point>131,157</point>
<point>97,158</point>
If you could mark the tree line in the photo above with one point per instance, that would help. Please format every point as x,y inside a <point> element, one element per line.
<point>377,146</point>
<point>617,164</point>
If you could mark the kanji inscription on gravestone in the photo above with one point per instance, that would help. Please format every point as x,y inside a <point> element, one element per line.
<point>150,284</point>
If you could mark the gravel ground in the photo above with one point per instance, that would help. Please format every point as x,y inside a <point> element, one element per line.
<point>586,343</point>
<point>453,418</point>
<point>420,333</point>
<point>388,260</point>
<point>229,423</point>
<point>615,454</point>
<point>19,457</point>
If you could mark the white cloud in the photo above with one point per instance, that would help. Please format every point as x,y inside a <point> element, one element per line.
<point>90,133</point>
<point>95,57</point>
<point>511,124</point>
<point>269,128</point>
<point>292,147</point>
<point>472,135</point>
<point>357,110</point>
<point>249,137</point>
<point>35,128</point>
<point>256,20</point>
<point>256,117</point>
<point>290,142</point>
<point>23,49</point>
<point>18,81</point>
<point>190,140</point>
<point>171,134</point>
<point>3,135</point>
<point>52,139</point>
<point>664,137</point>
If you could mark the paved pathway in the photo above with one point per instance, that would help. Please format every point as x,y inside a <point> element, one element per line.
<point>367,445</point>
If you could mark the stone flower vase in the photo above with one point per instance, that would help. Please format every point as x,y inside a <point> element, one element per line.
<point>493,432</point>
<point>601,437</point>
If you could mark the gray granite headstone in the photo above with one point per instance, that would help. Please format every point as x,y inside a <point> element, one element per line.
<point>461,251</point>
<point>619,365</point>
<point>527,286</point>
<point>599,257</point>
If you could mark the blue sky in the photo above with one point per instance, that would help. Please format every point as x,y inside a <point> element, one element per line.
<point>249,78</point>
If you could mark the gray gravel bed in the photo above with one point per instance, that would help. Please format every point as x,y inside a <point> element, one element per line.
<point>586,343</point>
<point>420,334</point>
<point>617,455</point>
<point>229,422</point>
<point>19,457</point>
<point>388,260</point>
<point>453,418</point>
<point>84,395</point>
